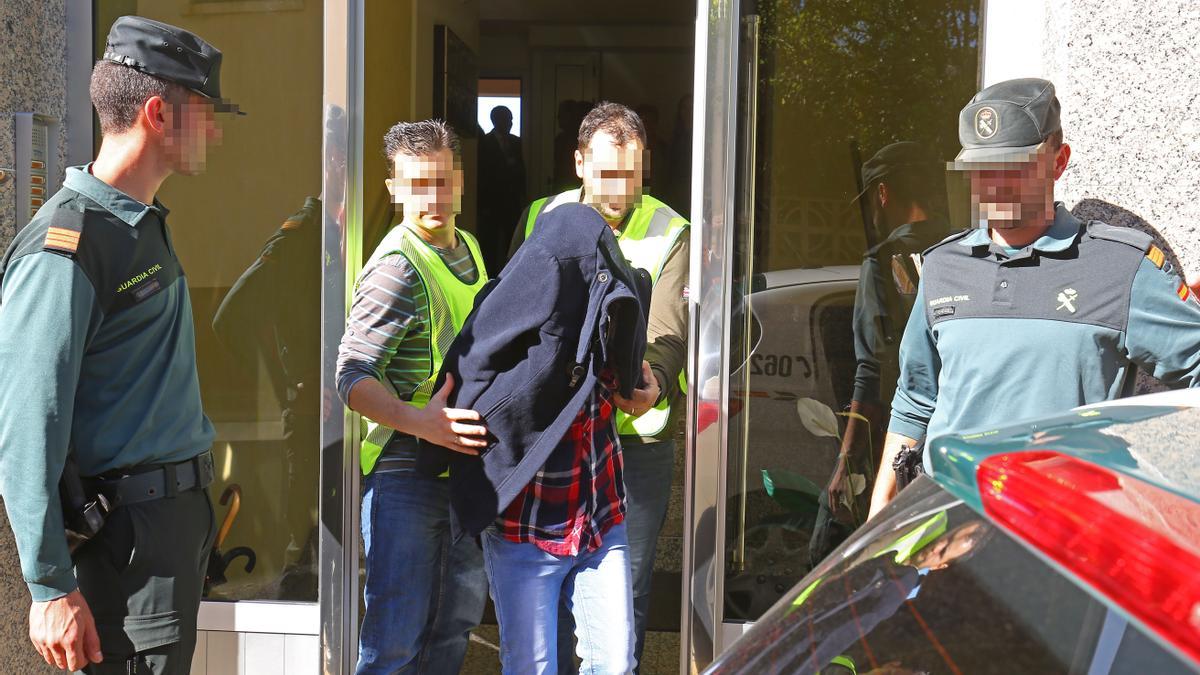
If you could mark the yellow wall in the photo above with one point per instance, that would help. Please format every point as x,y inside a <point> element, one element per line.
<point>268,162</point>
<point>398,85</point>
<point>388,84</point>
<point>270,159</point>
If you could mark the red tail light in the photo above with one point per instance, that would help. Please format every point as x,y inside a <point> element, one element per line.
<point>708,412</point>
<point>1134,542</point>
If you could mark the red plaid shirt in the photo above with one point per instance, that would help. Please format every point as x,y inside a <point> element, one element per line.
<point>579,494</point>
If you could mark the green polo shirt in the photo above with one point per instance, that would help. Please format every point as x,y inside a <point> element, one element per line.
<point>97,349</point>
<point>998,335</point>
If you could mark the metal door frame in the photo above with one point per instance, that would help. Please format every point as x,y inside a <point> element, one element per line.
<point>713,143</point>
<point>342,152</point>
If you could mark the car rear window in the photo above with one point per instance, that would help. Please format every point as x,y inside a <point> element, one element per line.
<point>1162,448</point>
<point>932,587</point>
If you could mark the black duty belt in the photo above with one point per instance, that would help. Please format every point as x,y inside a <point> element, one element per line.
<point>162,481</point>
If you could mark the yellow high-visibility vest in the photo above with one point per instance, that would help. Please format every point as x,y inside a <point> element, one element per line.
<point>450,302</point>
<point>649,234</point>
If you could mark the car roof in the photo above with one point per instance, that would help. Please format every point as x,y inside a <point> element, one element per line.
<point>809,275</point>
<point>1153,438</point>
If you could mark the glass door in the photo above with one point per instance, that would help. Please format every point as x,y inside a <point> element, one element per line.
<point>823,181</point>
<point>264,235</point>
<point>248,231</point>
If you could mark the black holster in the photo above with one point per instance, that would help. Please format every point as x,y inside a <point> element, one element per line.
<point>84,509</point>
<point>908,465</point>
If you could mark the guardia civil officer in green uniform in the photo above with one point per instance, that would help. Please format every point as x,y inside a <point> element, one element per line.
<point>272,315</point>
<point>905,193</point>
<point>98,354</point>
<point>1032,311</point>
<point>611,161</point>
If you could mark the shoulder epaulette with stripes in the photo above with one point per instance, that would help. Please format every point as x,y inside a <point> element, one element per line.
<point>66,226</point>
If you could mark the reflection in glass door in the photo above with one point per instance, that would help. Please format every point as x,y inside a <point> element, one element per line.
<point>248,231</point>
<point>794,99</point>
<point>847,114</point>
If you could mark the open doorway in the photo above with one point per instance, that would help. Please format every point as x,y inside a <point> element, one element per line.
<point>540,65</point>
<point>551,61</point>
<point>499,92</point>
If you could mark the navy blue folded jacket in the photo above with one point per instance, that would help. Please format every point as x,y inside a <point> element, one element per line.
<point>565,306</point>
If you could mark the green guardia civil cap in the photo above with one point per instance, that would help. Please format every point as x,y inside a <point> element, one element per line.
<point>1006,123</point>
<point>170,53</point>
<point>896,158</point>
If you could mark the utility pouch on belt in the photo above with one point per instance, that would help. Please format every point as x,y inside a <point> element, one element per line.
<point>84,509</point>
<point>908,465</point>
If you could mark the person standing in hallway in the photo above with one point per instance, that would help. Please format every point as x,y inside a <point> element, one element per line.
<point>501,187</point>
<point>423,593</point>
<point>609,161</point>
<point>100,392</point>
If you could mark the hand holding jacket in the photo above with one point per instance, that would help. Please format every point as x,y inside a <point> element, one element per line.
<point>645,397</point>
<point>567,305</point>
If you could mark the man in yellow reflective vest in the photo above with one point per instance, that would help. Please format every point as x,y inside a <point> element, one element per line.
<point>423,592</point>
<point>611,162</point>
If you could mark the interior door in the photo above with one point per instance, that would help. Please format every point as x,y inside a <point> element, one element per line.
<point>568,83</point>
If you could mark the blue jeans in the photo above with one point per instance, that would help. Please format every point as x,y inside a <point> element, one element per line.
<point>423,594</point>
<point>527,585</point>
<point>648,470</point>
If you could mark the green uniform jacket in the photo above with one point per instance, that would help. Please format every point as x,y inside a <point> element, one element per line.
<point>999,335</point>
<point>97,351</point>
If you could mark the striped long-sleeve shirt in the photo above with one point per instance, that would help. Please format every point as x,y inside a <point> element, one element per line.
<point>387,335</point>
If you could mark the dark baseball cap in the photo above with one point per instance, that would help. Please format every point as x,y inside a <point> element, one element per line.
<point>901,157</point>
<point>168,52</point>
<point>1005,123</point>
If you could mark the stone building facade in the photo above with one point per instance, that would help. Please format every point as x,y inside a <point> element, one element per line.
<point>33,80</point>
<point>1128,77</point>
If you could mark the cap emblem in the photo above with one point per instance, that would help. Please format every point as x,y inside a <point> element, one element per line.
<point>987,123</point>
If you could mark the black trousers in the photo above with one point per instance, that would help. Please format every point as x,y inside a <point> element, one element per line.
<point>172,658</point>
<point>142,577</point>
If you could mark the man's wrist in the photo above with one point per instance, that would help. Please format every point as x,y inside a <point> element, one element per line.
<point>408,418</point>
<point>53,588</point>
<point>660,379</point>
